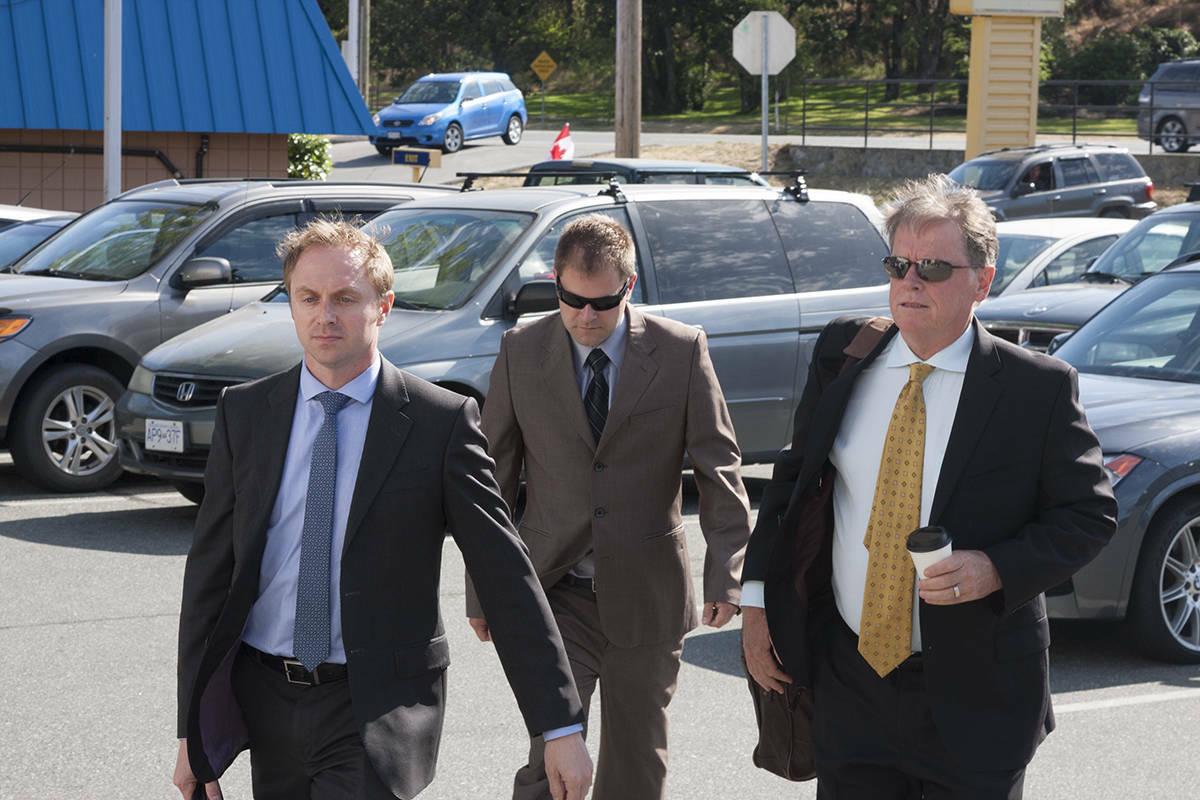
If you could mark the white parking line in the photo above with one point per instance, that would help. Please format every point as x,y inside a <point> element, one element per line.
<point>1136,700</point>
<point>147,497</point>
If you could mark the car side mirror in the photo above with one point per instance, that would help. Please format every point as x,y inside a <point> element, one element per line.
<point>1057,342</point>
<point>1022,189</point>
<point>534,297</point>
<point>202,271</point>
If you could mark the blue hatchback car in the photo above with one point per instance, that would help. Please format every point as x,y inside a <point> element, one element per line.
<point>445,109</point>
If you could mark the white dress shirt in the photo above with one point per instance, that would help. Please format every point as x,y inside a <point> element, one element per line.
<point>858,450</point>
<point>273,615</point>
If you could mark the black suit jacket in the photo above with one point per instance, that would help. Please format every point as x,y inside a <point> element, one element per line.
<point>424,470</point>
<point>1021,480</point>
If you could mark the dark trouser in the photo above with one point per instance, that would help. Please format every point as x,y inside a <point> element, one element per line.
<point>875,738</point>
<point>636,684</point>
<point>304,742</point>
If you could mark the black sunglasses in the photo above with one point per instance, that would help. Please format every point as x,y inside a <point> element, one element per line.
<point>597,303</point>
<point>932,270</point>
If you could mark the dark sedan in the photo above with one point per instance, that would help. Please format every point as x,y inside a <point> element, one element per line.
<point>1139,365</point>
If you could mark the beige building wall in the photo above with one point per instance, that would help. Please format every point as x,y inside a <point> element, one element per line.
<point>75,181</point>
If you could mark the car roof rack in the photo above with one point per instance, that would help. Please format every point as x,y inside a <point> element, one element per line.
<point>798,188</point>
<point>640,175</point>
<point>1051,146</point>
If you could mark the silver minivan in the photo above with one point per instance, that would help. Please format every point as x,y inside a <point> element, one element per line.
<point>1169,106</point>
<point>759,269</point>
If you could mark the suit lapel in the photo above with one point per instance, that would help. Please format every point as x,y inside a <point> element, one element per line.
<point>272,438</point>
<point>387,429</point>
<point>980,392</point>
<point>560,381</point>
<point>637,371</point>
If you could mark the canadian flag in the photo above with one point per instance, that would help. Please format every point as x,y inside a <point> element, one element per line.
<point>563,147</point>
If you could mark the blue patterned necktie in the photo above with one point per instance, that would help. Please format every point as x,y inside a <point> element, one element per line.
<point>311,634</point>
<point>595,399</point>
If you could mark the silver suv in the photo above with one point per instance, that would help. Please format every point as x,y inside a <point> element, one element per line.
<point>1169,106</point>
<point>78,312</point>
<point>759,269</point>
<point>1059,180</point>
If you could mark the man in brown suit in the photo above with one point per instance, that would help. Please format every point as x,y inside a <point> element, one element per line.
<point>600,404</point>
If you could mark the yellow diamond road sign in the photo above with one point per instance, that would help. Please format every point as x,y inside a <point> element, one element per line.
<point>543,65</point>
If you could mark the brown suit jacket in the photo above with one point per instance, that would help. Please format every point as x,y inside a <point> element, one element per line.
<point>621,497</point>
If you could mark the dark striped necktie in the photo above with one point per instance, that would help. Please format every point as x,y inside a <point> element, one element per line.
<point>595,399</point>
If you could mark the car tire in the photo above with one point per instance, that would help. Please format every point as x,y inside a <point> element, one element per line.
<point>1115,213</point>
<point>1172,135</point>
<point>1164,607</point>
<point>191,491</point>
<point>512,134</point>
<point>452,139</point>
<point>64,433</point>
<point>383,151</point>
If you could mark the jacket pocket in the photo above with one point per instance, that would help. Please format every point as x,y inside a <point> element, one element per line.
<point>417,659</point>
<point>1026,640</point>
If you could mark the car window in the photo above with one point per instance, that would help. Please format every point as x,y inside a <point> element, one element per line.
<point>1118,166</point>
<point>714,249</point>
<point>116,241</point>
<point>17,240</point>
<point>1151,331</point>
<point>492,87</point>
<point>507,85</point>
<point>471,91</point>
<point>1014,255</point>
<point>830,245</point>
<point>1068,265</point>
<point>1077,171</point>
<point>984,173</point>
<point>430,92</point>
<point>441,255</point>
<point>1040,175</point>
<point>1150,246</point>
<point>539,261</point>
<point>250,248</point>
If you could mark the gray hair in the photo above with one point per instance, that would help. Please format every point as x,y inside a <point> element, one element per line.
<point>934,199</point>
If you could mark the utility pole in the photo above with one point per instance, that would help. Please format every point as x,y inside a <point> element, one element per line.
<point>628,103</point>
<point>364,48</point>
<point>112,98</point>
<point>352,39</point>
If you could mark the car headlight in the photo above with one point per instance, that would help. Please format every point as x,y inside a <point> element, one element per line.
<point>375,119</point>
<point>11,326</point>
<point>142,381</point>
<point>429,119</point>
<point>1120,465</point>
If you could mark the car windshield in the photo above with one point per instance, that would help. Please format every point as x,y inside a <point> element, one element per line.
<point>441,255</point>
<point>1151,331</point>
<point>117,241</point>
<point>430,92</point>
<point>984,173</point>
<point>1015,253</point>
<point>1151,245</point>
<point>18,240</point>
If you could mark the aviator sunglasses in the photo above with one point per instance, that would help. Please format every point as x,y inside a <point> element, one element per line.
<point>597,303</point>
<point>932,270</point>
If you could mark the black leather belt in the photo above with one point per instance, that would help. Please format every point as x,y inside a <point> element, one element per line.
<point>294,671</point>
<point>578,582</point>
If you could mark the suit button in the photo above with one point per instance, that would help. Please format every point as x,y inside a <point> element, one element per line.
<point>599,513</point>
<point>598,467</point>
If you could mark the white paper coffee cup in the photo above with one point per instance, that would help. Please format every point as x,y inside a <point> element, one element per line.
<point>927,546</point>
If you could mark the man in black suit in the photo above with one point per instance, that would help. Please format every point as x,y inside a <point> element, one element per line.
<point>310,629</point>
<point>933,686</point>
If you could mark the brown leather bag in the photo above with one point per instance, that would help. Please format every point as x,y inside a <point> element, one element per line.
<point>785,720</point>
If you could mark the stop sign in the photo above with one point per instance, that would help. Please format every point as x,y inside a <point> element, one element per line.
<point>748,42</point>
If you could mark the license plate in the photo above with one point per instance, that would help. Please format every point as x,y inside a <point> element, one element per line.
<point>164,434</point>
<point>393,134</point>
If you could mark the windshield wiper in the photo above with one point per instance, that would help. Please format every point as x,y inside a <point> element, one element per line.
<point>62,273</point>
<point>1104,277</point>
<point>409,305</point>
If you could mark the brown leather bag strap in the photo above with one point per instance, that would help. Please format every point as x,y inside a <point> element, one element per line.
<point>865,340</point>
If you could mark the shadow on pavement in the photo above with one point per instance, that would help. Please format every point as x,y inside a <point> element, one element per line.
<point>1089,654</point>
<point>720,651</point>
<point>153,531</point>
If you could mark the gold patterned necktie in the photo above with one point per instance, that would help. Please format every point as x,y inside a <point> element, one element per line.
<point>885,632</point>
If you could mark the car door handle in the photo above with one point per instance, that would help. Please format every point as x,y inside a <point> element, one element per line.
<point>1099,191</point>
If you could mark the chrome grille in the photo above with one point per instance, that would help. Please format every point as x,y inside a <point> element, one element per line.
<point>187,391</point>
<point>1035,337</point>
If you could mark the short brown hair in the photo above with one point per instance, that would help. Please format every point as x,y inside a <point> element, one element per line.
<point>596,242</point>
<point>935,198</point>
<point>362,246</point>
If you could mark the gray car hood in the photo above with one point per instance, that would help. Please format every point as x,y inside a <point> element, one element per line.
<point>1133,414</point>
<point>24,292</point>
<point>256,340</point>
<point>1066,304</point>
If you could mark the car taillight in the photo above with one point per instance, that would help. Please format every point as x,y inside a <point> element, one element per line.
<point>1149,190</point>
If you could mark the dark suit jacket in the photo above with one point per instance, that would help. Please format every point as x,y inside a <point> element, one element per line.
<point>1021,480</point>
<point>424,470</point>
<point>621,497</point>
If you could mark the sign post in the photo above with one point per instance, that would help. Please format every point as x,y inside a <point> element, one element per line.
<point>416,158</point>
<point>542,66</point>
<point>764,43</point>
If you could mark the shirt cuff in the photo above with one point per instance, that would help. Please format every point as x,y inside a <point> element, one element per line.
<point>754,594</point>
<point>558,733</point>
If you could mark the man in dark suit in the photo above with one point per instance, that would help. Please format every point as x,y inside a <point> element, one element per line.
<point>933,686</point>
<point>310,629</point>
<point>599,404</point>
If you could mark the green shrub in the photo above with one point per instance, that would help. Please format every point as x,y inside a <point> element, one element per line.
<point>308,157</point>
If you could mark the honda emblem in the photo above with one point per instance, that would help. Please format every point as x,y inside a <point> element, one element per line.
<point>185,391</point>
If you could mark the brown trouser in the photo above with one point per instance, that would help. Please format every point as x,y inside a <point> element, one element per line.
<point>636,684</point>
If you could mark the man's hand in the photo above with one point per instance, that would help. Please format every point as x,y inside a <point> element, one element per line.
<point>568,767</point>
<point>480,626</point>
<point>760,655</point>
<point>185,780</point>
<point>717,613</point>
<point>971,571</point>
